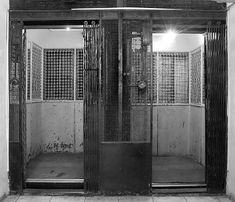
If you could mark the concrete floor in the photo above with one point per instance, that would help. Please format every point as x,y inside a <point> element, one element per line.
<point>56,166</point>
<point>116,199</point>
<point>172,169</point>
<point>70,166</point>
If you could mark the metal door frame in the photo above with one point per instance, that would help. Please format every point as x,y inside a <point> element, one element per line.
<point>17,86</point>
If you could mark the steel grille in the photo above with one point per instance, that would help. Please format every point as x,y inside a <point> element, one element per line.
<point>181,65</point>
<point>173,77</point>
<point>79,74</point>
<point>28,74</point>
<point>166,78</point>
<point>135,77</point>
<point>155,77</point>
<point>196,76</point>
<point>58,80</point>
<point>36,71</point>
<point>136,95</point>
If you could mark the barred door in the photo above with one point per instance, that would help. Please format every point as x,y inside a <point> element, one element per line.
<point>92,67</point>
<point>216,107</point>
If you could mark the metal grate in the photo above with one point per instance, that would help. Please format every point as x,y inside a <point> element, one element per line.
<point>196,76</point>
<point>36,71</point>
<point>166,78</point>
<point>79,74</point>
<point>173,77</point>
<point>28,74</point>
<point>58,80</point>
<point>181,65</point>
<point>137,96</point>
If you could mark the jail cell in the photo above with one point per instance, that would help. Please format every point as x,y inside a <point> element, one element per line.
<point>54,107</point>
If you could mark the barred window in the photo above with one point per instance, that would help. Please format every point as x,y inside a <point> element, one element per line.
<point>36,71</point>
<point>196,79</point>
<point>170,78</point>
<point>173,74</point>
<point>58,80</point>
<point>79,74</point>
<point>28,74</point>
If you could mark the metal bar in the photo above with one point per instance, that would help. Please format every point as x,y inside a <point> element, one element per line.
<point>120,75</point>
<point>151,96</point>
<point>175,185</point>
<point>35,180</point>
<point>142,9</point>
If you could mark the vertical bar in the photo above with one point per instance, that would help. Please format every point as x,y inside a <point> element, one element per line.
<point>151,97</point>
<point>31,71</point>
<point>120,74</point>
<point>74,92</point>
<point>190,78</point>
<point>202,73</point>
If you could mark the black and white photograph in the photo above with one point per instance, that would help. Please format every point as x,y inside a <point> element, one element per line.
<point>117,100</point>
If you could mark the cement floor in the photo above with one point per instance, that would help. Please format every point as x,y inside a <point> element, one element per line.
<point>70,166</point>
<point>172,169</point>
<point>117,199</point>
<point>56,166</point>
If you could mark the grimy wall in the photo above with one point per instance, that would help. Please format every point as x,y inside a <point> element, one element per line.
<point>4,4</point>
<point>231,102</point>
<point>54,126</point>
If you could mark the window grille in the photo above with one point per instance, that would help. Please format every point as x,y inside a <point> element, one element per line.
<point>58,80</point>
<point>181,70</point>
<point>28,73</point>
<point>135,77</point>
<point>36,71</point>
<point>203,77</point>
<point>166,78</point>
<point>79,74</point>
<point>170,77</point>
<point>196,76</point>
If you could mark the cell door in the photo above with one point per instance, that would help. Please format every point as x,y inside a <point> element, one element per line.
<point>216,106</point>
<point>125,148</point>
<point>92,118</point>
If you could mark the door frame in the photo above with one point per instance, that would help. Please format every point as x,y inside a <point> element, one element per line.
<point>19,19</point>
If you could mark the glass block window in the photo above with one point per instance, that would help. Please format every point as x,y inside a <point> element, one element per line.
<point>79,74</point>
<point>196,79</point>
<point>58,79</point>
<point>28,73</point>
<point>173,77</point>
<point>36,71</point>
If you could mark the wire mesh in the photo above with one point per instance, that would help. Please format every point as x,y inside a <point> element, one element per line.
<point>79,74</point>
<point>181,85</point>
<point>36,71</point>
<point>28,73</point>
<point>196,76</point>
<point>173,73</point>
<point>58,80</point>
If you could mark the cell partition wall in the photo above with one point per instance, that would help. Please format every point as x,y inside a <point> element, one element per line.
<point>125,149</point>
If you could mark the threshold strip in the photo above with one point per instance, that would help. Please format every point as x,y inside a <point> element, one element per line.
<point>177,185</point>
<point>32,180</point>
